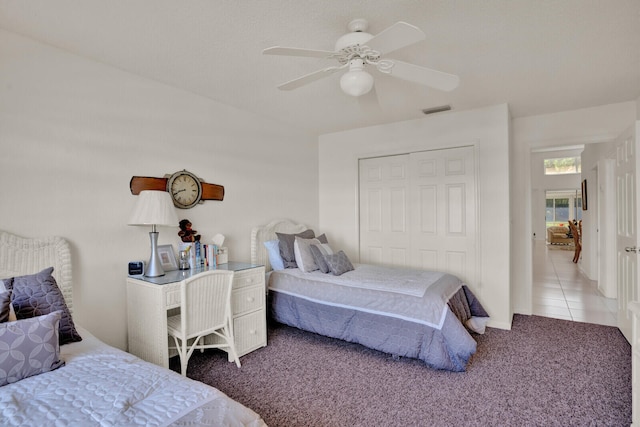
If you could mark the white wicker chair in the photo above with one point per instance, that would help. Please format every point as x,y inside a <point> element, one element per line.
<point>205,309</point>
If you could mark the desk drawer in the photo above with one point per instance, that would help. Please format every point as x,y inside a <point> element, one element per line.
<point>248,278</point>
<point>250,332</point>
<point>172,296</point>
<point>245,300</point>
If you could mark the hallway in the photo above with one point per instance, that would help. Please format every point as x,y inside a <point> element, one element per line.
<point>561,291</point>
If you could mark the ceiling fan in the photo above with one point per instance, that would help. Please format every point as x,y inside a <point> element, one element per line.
<point>358,49</point>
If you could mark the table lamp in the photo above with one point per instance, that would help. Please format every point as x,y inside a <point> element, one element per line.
<point>154,208</point>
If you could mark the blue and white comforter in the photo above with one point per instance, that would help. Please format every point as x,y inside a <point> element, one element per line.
<point>403,312</point>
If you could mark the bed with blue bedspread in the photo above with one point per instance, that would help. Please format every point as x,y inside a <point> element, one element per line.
<point>426,315</point>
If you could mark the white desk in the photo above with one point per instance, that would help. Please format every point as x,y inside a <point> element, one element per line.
<point>150,299</point>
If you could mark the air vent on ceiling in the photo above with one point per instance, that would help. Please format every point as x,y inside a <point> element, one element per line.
<point>436,109</point>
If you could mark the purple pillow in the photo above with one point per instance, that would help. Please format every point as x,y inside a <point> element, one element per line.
<point>318,252</point>
<point>37,294</point>
<point>286,246</point>
<point>5,306</point>
<point>29,347</point>
<point>338,263</point>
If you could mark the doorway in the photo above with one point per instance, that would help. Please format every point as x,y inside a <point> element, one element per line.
<point>560,287</point>
<point>562,206</point>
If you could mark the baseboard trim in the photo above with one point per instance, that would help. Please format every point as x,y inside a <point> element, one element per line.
<point>499,325</point>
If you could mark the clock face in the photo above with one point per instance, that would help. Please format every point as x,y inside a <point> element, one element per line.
<point>185,189</point>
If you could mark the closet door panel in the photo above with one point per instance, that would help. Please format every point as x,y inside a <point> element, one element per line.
<point>419,210</point>
<point>384,193</point>
<point>444,227</point>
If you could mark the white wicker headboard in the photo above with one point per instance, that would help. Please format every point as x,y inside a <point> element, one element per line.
<point>20,256</point>
<point>259,235</point>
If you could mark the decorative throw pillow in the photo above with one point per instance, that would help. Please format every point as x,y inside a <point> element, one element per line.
<point>286,246</point>
<point>318,252</point>
<point>338,263</point>
<point>322,238</point>
<point>5,306</point>
<point>273,251</point>
<point>302,251</point>
<point>29,347</point>
<point>37,294</point>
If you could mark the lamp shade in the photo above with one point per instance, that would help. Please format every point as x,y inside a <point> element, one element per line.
<point>154,208</point>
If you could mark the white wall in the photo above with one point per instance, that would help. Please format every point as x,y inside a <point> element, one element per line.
<point>540,183</point>
<point>590,125</point>
<point>72,134</point>
<point>592,154</point>
<point>487,129</point>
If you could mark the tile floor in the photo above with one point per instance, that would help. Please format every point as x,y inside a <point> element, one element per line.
<point>562,291</point>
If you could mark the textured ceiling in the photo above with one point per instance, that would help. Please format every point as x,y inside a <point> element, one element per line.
<point>539,56</point>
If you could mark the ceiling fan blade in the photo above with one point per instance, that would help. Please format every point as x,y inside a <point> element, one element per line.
<point>308,78</point>
<point>424,76</point>
<point>369,102</point>
<point>396,37</point>
<point>295,51</point>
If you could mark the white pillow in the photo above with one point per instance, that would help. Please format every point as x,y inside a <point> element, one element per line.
<point>273,251</point>
<point>302,252</point>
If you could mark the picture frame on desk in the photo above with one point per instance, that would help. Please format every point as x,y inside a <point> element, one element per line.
<point>167,257</point>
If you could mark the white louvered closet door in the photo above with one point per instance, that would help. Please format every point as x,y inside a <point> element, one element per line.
<point>419,210</point>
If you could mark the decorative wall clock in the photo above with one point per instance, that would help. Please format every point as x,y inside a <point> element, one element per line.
<point>185,188</point>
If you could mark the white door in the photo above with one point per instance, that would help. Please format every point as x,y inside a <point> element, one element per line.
<point>384,193</point>
<point>443,212</point>
<point>626,225</point>
<point>419,210</point>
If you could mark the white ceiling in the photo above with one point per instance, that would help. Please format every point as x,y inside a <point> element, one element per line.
<point>540,56</point>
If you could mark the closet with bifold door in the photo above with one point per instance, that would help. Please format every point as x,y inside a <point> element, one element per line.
<point>420,210</point>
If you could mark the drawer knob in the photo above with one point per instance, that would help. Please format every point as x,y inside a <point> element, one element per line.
<point>252,331</point>
<point>251,299</point>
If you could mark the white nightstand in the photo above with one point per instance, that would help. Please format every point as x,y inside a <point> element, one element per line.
<point>150,299</point>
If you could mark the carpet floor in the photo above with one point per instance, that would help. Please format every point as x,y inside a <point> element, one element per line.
<point>544,372</point>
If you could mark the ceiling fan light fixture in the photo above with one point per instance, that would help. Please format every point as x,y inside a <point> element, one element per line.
<point>356,81</point>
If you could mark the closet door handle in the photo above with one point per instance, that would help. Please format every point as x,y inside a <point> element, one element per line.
<point>631,249</point>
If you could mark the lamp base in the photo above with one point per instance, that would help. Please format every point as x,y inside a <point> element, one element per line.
<point>154,268</point>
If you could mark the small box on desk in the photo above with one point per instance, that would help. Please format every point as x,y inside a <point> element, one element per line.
<point>223,255</point>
